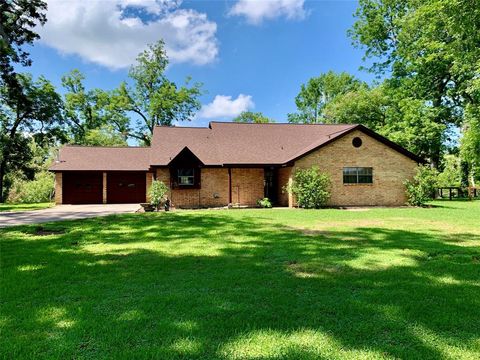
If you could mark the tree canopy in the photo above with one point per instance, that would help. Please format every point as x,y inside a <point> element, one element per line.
<point>253,117</point>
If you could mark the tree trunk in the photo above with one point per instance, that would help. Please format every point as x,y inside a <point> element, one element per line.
<point>2,176</point>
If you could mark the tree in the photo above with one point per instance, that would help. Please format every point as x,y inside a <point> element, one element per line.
<point>38,117</point>
<point>89,115</point>
<point>318,92</point>
<point>17,20</point>
<point>154,99</point>
<point>253,117</point>
<point>430,49</point>
<point>470,143</point>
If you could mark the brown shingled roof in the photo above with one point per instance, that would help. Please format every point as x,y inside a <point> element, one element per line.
<point>102,158</point>
<point>217,145</point>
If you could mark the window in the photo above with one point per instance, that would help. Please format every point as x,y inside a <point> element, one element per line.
<point>357,142</point>
<point>186,177</point>
<point>357,175</point>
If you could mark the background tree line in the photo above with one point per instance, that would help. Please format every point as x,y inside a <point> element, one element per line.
<point>425,54</point>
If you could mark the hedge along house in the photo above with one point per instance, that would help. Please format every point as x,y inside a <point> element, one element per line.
<point>237,163</point>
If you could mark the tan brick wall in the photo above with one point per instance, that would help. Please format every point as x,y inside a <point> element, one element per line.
<point>247,185</point>
<point>149,179</point>
<point>58,188</point>
<point>213,191</point>
<point>104,187</point>
<point>283,176</point>
<point>390,170</point>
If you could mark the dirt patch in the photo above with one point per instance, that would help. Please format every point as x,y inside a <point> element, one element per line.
<point>41,231</point>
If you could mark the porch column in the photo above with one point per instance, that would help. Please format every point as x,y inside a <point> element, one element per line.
<point>104,187</point>
<point>149,183</point>
<point>290,195</point>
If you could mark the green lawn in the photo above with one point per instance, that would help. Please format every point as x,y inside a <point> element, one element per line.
<point>246,284</point>
<point>24,207</point>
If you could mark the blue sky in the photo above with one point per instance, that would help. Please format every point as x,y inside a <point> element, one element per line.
<point>248,54</point>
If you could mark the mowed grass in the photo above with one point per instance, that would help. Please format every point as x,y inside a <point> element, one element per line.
<point>24,207</point>
<point>246,284</point>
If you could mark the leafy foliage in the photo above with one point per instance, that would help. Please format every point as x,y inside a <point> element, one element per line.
<point>157,193</point>
<point>39,117</point>
<point>422,188</point>
<point>264,203</point>
<point>253,117</point>
<point>318,92</point>
<point>17,21</point>
<point>451,174</point>
<point>311,188</point>
<point>39,190</point>
<point>154,99</point>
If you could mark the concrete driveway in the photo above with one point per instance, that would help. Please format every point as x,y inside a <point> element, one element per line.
<point>63,212</point>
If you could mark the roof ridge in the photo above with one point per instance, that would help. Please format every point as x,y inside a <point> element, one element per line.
<point>278,123</point>
<point>108,147</point>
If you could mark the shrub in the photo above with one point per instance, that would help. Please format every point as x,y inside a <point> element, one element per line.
<point>40,189</point>
<point>422,188</point>
<point>157,193</point>
<point>265,203</point>
<point>311,188</point>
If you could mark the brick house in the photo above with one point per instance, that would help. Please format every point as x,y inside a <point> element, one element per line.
<point>236,163</point>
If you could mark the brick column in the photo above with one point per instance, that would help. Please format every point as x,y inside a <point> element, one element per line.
<point>104,187</point>
<point>58,188</point>
<point>149,183</point>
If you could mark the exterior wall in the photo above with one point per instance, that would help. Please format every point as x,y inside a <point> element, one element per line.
<point>104,187</point>
<point>390,170</point>
<point>149,183</point>
<point>283,176</point>
<point>247,185</point>
<point>58,188</point>
<point>213,191</point>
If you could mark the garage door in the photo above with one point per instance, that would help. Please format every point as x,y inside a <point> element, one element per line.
<point>82,187</point>
<point>126,187</point>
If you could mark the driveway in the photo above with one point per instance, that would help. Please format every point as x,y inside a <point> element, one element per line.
<point>64,212</point>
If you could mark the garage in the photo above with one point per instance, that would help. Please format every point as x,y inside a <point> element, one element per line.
<point>82,187</point>
<point>125,187</point>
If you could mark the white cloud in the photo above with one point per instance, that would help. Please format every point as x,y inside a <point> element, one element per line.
<point>255,11</point>
<point>223,107</point>
<point>112,33</point>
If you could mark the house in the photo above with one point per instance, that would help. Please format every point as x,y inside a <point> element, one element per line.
<point>237,163</point>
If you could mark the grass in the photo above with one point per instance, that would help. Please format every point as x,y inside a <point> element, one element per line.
<point>25,207</point>
<point>246,284</point>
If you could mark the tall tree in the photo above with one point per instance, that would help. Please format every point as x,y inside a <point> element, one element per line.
<point>153,99</point>
<point>318,92</point>
<point>38,116</point>
<point>17,21</point>
<point>252,117</point>
<point>429,48</point>
<point>89,115</point>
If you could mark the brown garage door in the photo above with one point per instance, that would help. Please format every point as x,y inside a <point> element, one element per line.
<point>126,187</point>
<point>82,187</point>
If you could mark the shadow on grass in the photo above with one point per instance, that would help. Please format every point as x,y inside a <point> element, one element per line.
<point>217,286</point>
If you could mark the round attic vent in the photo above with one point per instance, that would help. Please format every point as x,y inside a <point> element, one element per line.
<point>357,142</point>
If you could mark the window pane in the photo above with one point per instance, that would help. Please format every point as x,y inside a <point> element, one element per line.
<point>365,179</point>
<point>349,171</point>
<point>349,179</point>
<point>185,172</point>
<point>365,171</point>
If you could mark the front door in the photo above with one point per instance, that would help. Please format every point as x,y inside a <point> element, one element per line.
<point>270,183</point>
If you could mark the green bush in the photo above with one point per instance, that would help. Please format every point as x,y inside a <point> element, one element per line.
<point>157,193</point>
<point>41,189</point>
<point>265,203</point>
<point>311,188</point>
<point>422,188</point>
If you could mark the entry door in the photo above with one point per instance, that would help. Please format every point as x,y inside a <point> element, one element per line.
<point>270,185</point>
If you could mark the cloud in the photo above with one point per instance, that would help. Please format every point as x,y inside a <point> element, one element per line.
<point>223,107</point>
<point>255,11</point>
<point>112,33</point>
